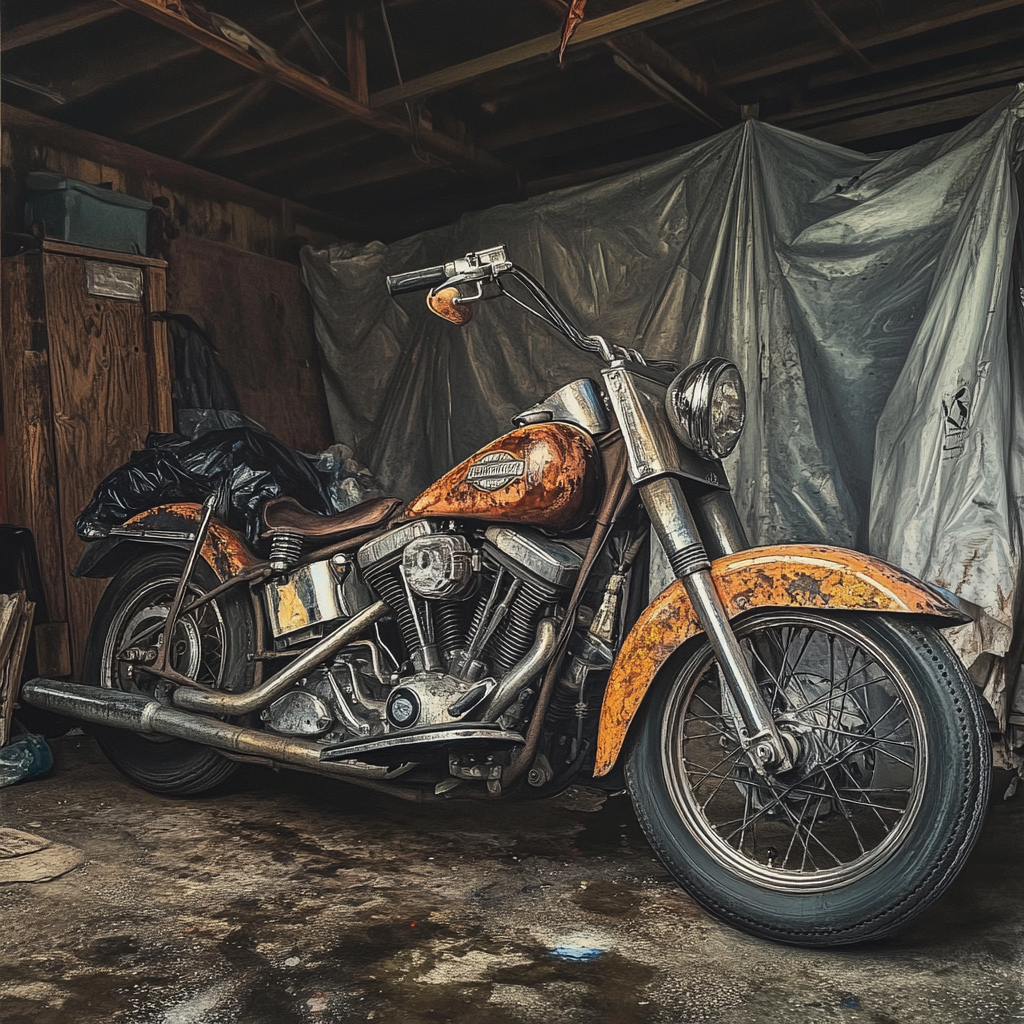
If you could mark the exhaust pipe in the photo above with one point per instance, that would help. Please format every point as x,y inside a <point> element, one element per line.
<point>133,711</point>
<point>219,702</point>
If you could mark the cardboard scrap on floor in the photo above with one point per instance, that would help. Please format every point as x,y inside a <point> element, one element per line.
<point>28,858</point>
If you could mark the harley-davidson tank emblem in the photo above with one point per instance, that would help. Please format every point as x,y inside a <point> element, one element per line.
<point>495,470</point>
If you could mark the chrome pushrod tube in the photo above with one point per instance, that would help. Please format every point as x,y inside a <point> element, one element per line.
<point>138,713</point>
<point>220,703</point>
<point>674,523</point>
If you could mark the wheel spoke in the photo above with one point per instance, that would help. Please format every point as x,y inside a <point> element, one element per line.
<point>792,838</point>
<point>852,708</point>
<point>713,768</point>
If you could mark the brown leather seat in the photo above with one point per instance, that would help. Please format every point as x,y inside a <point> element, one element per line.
<point>286,515</point>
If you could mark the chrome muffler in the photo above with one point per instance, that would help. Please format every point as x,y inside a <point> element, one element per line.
<point>138,713</point>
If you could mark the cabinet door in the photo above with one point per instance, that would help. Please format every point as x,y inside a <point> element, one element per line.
<point>101,389</point>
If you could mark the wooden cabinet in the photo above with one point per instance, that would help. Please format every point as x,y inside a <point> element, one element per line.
<point>85,377</point>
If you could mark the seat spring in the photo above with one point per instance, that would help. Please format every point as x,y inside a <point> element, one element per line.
<point>285,550</point>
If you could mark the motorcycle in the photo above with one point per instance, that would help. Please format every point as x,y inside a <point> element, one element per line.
<point>803,749</point>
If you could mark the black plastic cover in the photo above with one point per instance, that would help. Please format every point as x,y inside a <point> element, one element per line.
<point>248,466</point>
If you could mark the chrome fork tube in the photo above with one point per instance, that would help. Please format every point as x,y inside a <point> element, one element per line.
<point>674,523</point>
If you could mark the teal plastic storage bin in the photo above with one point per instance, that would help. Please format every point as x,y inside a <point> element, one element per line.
<point>74,211</point>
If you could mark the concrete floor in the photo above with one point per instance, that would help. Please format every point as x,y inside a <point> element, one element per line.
<point>291,898</point>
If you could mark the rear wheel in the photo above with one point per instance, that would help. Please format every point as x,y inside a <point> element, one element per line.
<point>881,810</point>
<point>210,645</point>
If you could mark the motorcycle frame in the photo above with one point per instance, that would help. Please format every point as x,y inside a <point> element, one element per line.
<point>686,498</point>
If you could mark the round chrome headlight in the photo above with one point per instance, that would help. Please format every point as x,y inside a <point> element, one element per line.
<point>706,407</point>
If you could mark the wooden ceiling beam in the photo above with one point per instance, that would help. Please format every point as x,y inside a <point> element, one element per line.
<point>466,157</point>
<point>314,153</point>
<point>249,98</point>
<point>655,67</point>
<point>170,108</point>
<point>355,46</point>
<point>116,66</point>
<point>559,120</point>
<point>831,28</point>
<point>657,70</point>
<point>281,128</point>
<point>903,118</point>
<point>56,24</point>
<point>919,55</point>
<point>401,166</point>
<point>590,32</point>
<point>971,76</point>
<point>798,57</point>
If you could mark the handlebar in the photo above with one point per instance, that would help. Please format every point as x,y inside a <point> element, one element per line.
<point>490,265</point>
<point>416,280</point>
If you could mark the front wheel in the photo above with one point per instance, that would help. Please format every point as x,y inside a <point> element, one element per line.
<point>881,810</point>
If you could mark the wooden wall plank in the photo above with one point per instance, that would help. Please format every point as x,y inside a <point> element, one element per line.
<point>161,413</point>
<point>101,402</point>
<point>258,313</point>
<point>31,474</point>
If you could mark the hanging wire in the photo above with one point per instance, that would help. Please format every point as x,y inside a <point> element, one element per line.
<point>320,42</point>
<point>413,126</point>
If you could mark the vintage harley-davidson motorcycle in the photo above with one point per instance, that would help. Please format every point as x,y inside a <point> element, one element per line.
<point>803,749</point>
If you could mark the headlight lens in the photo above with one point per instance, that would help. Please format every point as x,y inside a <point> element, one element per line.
<point>706,406</point>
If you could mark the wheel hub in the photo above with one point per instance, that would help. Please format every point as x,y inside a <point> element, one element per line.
<point>823,742</point>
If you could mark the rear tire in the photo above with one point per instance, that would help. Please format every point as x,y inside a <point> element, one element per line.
<point>211,646</point>
<point>881,812</point>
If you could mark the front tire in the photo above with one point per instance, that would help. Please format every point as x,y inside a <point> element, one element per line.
<point>210,645</point>
<point>882,809</point>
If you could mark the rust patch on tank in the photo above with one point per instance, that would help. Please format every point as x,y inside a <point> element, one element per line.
<point>789,576</point>
<point>224,550</point>
<point>544,474</point>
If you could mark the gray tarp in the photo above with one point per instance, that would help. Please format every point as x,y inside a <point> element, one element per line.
<point>866,299</point>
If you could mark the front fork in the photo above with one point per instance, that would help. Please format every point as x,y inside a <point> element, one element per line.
<point>674,524</point>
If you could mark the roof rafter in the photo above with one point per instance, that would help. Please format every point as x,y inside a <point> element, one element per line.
<point>664,75</point>
<point>466,157</point>
<point>842,39</point>
<point>919,55</point>
<point>919,115</point>
<point>956,81</point>
<point>797,57</point>
<point>590,32</point>
<point>56,24</point>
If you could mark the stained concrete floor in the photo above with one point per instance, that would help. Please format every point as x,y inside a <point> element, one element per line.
<point>288,898</point>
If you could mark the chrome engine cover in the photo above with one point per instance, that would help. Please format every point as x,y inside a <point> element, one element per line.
<point>551,561</point>
<point>438,567</point>
<point>298,713</point>
<point>432,698</point>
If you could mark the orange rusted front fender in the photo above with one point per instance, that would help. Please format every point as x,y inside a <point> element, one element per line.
<point>787,576</point>
<point>224,550</point>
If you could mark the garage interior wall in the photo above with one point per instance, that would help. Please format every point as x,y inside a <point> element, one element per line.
<point>231,254</point>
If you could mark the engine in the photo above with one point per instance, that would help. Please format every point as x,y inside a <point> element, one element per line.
<point>472,629</point>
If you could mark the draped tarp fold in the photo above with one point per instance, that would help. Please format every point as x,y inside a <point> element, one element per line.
<point>868,301</point>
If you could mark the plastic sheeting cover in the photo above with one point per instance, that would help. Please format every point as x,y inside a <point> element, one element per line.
<point>246,466</point>
<point>864,298</point>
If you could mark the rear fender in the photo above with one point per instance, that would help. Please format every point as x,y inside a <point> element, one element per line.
<point>224,550</point>
<point>786,576</point>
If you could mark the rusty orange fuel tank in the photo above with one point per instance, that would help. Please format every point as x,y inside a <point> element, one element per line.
<point>544,474</point>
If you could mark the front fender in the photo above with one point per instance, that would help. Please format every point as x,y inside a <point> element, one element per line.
<point>171,526</point>
<point>786,576</point>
